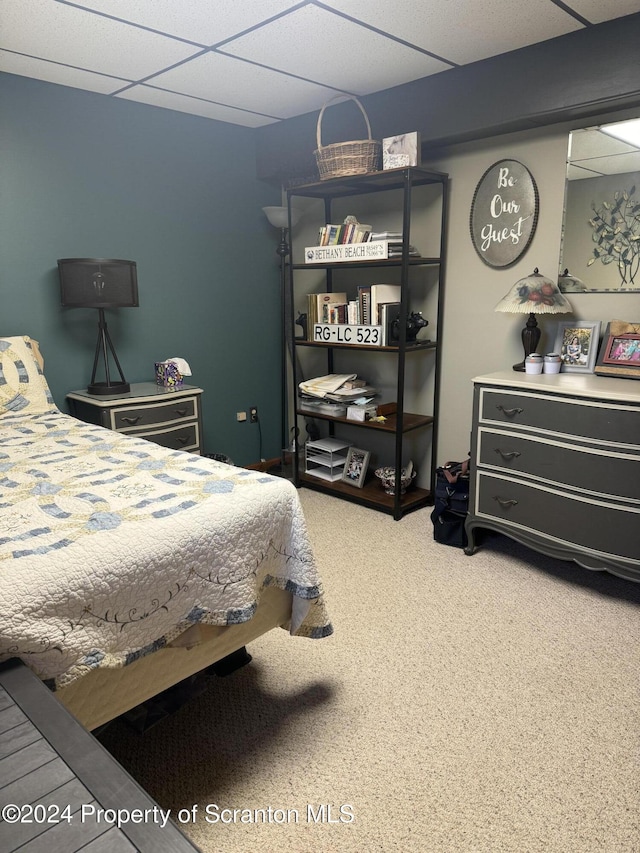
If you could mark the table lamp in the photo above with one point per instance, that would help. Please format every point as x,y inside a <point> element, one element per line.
<point>100,283</point>
<point>534,294</point>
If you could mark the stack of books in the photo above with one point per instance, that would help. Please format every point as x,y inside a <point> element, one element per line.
<point>365,310</point>
<point>394,239</point>
<point>348,232</point>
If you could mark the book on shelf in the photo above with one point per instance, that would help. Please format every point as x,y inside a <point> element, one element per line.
<point>396,236</point>
<point>315,308</point>
<point>389,314</point>
<point>382,293</point>
<point>364,301</point>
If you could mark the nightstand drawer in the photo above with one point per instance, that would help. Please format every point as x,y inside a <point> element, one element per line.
<point>563,462</point>
<point>136,417</point>
<point>593,525</point>
<point>562,415</point>
<point>185,437</point>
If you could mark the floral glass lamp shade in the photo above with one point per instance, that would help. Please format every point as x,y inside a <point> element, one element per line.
<point>534,294</point>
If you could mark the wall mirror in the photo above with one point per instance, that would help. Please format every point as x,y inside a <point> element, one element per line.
<point>601,231</point>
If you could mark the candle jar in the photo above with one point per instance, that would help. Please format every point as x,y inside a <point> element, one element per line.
<point>552,363</point>
<point>533,363</point>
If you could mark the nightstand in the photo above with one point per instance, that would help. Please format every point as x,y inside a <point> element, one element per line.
<point>166,416</point>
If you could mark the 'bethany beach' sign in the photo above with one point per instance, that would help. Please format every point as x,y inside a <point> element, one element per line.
<point>504,213</point>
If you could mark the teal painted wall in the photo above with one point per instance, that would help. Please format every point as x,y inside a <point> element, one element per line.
<point>85,175</point>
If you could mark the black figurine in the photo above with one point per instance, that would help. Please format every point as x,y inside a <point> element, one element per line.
<point>415,322</point>
<point>302,321</point>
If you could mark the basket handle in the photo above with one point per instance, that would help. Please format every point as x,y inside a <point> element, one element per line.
<point>348,97</point>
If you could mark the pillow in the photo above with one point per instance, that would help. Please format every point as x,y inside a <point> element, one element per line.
<point>23,388</point>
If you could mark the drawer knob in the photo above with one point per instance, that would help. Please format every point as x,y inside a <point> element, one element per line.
<point>510,413</point>
<point>130,421</point>
<point>507,455</point>
<point>183,439</point>
<point>181,412</point>
<point>505,503</point>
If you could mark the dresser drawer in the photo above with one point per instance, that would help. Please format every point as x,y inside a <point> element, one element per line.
<point>606,422</point>
<point>127,418</point>
<point>185,437</point>
<point>568,464</point>
<point>590,524</point>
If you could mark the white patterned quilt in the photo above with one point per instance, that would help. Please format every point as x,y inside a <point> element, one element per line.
<point>111,546</point>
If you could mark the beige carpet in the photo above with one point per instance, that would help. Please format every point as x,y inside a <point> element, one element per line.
<point>463,704</point>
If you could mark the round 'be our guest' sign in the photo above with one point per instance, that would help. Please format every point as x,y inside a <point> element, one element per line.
<point>504,213</point>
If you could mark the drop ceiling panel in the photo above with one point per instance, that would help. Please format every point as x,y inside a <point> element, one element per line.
<point>231,81</point>
<point>462,31</point>
<point>321,46</point>
<point>593,143</point>
<point>597,11</point>
<point>39,69</point>
<point>614,165</point>
<point>70,36</point>
<point>577,173</point>
<point>204,22</point>
<point>194,106</point>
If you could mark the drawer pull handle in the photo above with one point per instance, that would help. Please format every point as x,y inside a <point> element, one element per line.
<point>507,455</point>
<point>505,504</point>
<point>183,439</point>
<point>509,412</point>
<point>131,421</point>
<point>181,412</point>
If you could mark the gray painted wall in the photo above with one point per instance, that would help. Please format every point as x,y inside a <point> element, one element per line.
<point>84,175</point>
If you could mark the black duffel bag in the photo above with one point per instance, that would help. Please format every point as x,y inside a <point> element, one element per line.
<point>451,504</point>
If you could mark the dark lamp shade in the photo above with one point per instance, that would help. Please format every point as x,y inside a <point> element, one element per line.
<point>98,283</point>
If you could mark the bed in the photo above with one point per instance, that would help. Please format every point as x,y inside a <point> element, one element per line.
<point>127,567</point>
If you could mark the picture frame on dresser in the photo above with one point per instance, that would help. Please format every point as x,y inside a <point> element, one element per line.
<point>620,351</point>
<point>577,344</point>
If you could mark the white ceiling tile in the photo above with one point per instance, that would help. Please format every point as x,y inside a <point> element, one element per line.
<point>576,173</point>
<point>194,106</point>
<point>592,143</point>
<point>88,43</point>
<point>201,21</point>
<point>71,36</point>
<point>614,165</point>
<point>39,69</point>
<point>462,31</point>
<point>215,77</point>
<point>318,45</point>
<point>597,11</point>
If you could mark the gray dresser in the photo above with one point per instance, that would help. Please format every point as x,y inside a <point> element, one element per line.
<point>556,465</point>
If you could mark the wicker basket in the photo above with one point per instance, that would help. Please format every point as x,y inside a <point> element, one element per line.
<point>347,158</point>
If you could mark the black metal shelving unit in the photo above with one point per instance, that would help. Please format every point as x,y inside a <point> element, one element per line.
<point>399,425</point>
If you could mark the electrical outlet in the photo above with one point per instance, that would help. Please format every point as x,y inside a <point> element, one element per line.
<point>241,417</point>
<point>253,415</point>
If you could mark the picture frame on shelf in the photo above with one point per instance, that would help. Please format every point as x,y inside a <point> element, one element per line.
<point>620,351</point>
<point>401,150</point>
<point>577,344</point>
<point>355,468</point>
